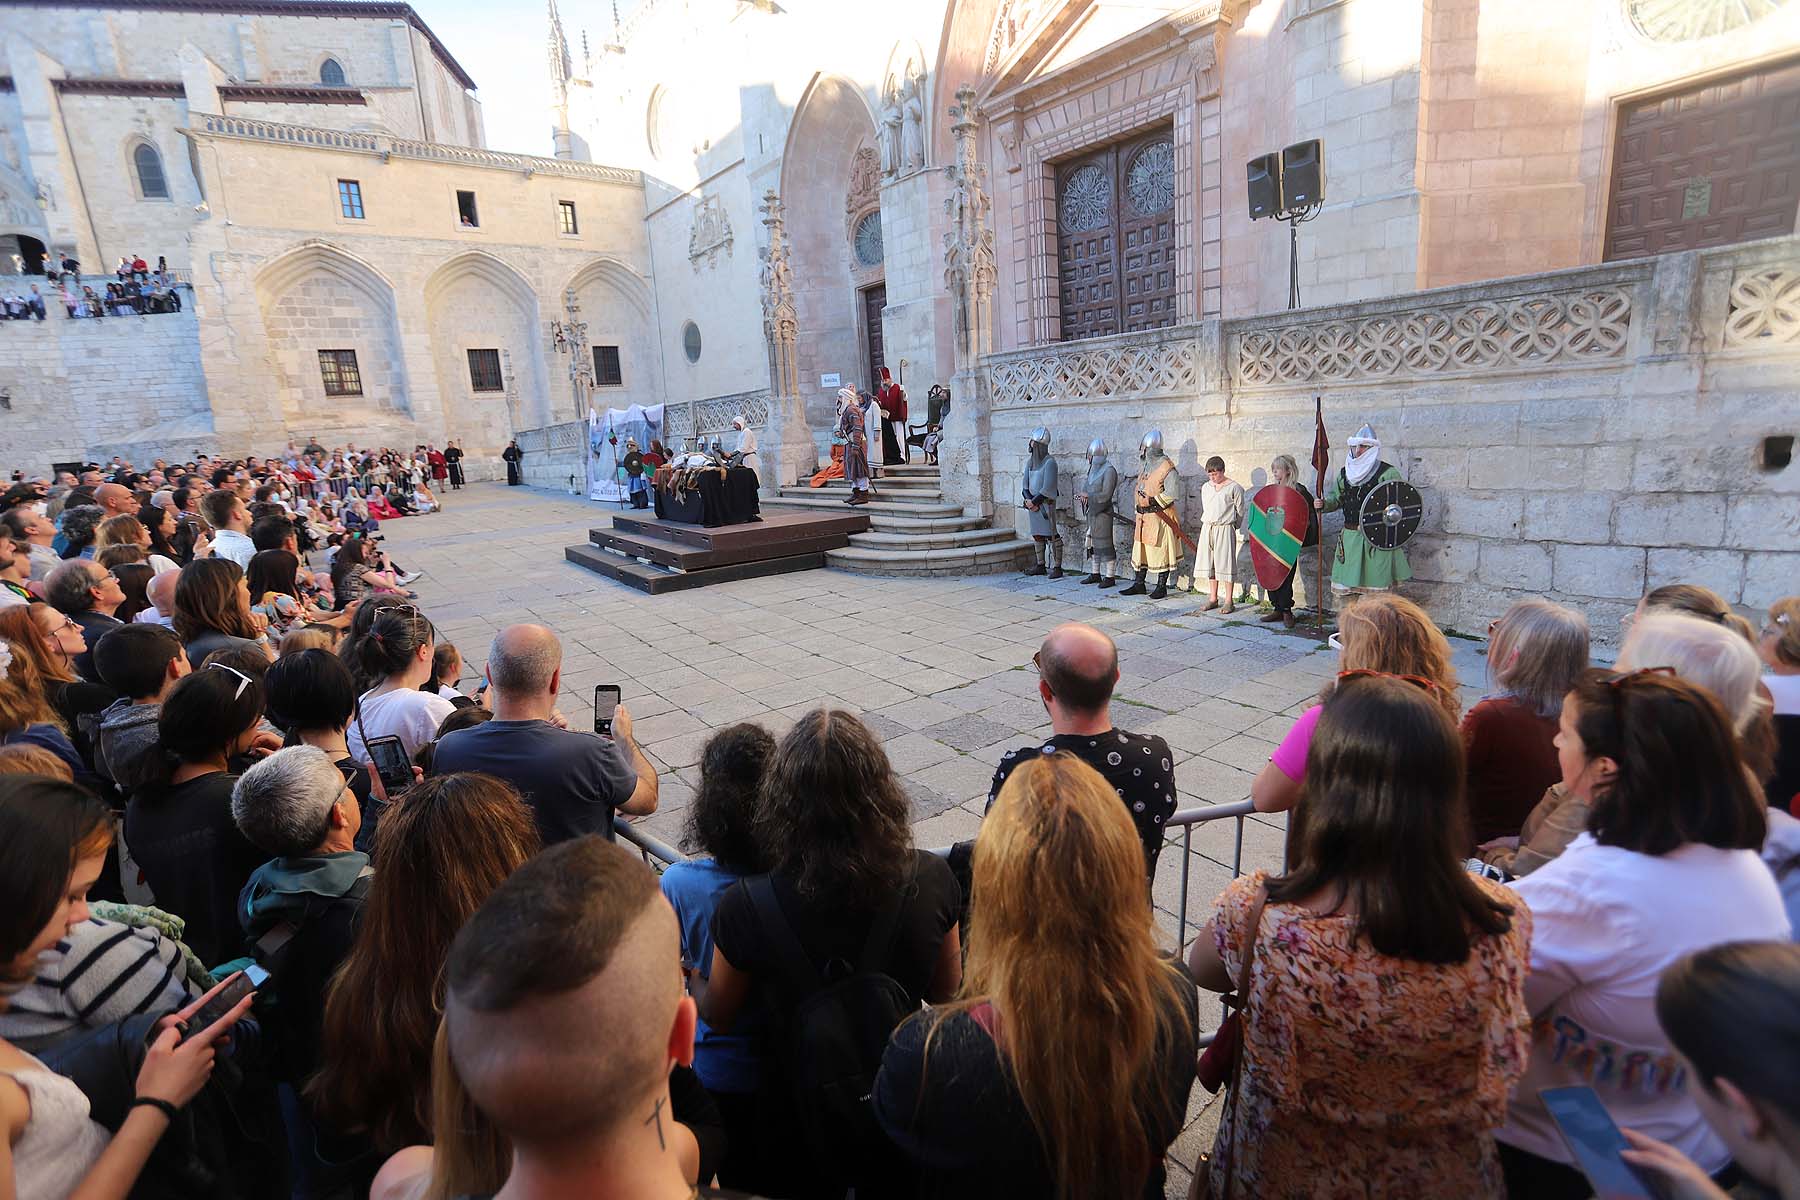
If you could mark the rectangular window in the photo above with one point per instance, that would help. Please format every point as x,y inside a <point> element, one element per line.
<point>465,210</point>
<point>339,371</point>
<point>350,199</point>
<point>606,367</point>
<point>484,371</point>
<point>565,216</point>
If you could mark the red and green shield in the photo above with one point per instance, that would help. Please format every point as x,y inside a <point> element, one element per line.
<point>1277,525</point>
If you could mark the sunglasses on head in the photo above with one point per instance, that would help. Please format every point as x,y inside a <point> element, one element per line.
<point>1429,685</point>
<point>244,680</point>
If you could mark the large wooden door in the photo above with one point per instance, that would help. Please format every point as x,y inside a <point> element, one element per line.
<point>1116,237</point>
<point>1707,165</point>
<point>874,300</point>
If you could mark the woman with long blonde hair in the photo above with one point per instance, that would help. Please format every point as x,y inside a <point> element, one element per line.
<point>1063,1066</point>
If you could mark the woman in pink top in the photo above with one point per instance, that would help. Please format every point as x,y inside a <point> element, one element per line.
<point>1383,633</point>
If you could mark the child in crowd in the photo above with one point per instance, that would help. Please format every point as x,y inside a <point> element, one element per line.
<point>934,436</point>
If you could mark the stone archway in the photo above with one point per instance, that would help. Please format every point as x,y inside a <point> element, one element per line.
<point>317,298</point>
<point>831,124</point>
<point>477,303</point>
<point>617,305</point>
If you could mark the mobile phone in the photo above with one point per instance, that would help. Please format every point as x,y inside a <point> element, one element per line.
<point>391,763</point>
<point>224,1000</point>
<point>1595,1141</point>
<point>606,703</point>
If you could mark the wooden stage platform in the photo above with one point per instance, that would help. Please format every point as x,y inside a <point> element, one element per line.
<point>669,556</point>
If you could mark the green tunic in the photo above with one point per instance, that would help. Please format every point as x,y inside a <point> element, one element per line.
<point>1359,564</point>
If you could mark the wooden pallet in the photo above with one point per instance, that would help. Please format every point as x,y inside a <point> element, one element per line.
<point>666,556</point>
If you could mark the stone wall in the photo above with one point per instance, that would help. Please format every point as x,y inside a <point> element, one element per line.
<point>1584,434</point>
<point>70,387</point>
<point>552,457</point>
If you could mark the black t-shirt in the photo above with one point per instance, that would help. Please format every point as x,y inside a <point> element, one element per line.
<point>1140,768</point>
<point>194,859</point>
<point>572,779</point>
<point>963,1124</point>
<point>829,930</point>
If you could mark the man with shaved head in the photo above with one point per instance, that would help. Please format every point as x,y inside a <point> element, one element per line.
<point>572,779</point>
<point>564,1015</point>
<point>116,499</point>
<point>1078,667</point>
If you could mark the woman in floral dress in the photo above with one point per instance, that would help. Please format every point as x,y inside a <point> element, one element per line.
<point>1387,1019</point>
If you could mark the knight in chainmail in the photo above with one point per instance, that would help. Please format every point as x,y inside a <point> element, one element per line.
<point>1096,497</point>
<point>1037,489</point>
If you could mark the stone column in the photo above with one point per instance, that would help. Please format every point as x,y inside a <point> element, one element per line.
<point>786,445</point>
<point>967,454</point>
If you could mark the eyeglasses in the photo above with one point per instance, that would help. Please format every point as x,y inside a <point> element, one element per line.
<point>1619,679</point>
<point>1430,685</point>
<point>244,680</point>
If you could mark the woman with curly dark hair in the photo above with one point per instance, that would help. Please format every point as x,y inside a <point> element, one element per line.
<point>833,824</point>
<point>721,829</point>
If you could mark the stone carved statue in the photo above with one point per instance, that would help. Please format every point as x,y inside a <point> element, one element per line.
<point>969,242</point>
<point>892,117</point>
<point>781,323</point>
<point>912,142</point>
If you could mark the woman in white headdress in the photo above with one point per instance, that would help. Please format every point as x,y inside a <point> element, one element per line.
<point>1360,565</point>
<point>746,443</point>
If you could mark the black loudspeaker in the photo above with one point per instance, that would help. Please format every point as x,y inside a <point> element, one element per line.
<point>1265,185</point>
<point>1302,175</point>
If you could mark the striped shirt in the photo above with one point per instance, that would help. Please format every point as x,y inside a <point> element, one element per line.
<point>101,972</point>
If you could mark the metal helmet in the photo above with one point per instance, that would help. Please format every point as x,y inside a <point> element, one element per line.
<point>1151,445</point>
<point>1097,450</point>
<point>1040,437</point>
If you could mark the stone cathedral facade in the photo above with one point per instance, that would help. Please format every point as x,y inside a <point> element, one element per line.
<point>1554,264</point>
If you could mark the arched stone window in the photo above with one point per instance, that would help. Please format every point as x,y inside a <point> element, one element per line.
<point>331,73</point>
<point>152,183</point>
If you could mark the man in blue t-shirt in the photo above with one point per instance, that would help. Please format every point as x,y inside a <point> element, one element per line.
<point>572,779</point>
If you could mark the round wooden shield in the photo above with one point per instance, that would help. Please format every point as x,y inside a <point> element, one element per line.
<point>1391,514</point>
<point>1277,527</point>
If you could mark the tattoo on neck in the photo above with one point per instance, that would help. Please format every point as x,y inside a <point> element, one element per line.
<point>656,1115</point>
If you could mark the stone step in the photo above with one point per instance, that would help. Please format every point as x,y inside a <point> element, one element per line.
<point>811,498</point>
<point>980,536</point>
<point>995,558</point>
<point>911,471</point>
<point>889,524</point>
<point>887,482</point>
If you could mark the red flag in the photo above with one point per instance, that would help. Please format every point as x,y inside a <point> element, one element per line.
<point>1321,454</point>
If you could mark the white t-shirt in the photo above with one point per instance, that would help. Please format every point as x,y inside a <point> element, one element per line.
<point>407,713</point>
<point>1605,923</point>
<point>1786,691</point>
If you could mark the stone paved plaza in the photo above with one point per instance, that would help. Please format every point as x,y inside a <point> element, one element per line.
<point>940,668</point>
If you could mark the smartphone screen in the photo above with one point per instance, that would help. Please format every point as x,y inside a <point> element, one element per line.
<point>223,1001</point>
<point>1595,1141</point>
<point>389,757</point>
<point>606,702</point>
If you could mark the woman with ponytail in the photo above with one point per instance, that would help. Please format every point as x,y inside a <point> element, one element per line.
<point>396,652</point>
<point>1062,1069</point>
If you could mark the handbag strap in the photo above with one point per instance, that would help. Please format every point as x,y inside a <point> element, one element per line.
<point>1237,1062</point>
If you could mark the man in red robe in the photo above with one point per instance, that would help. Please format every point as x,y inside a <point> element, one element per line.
<point>892,398</point>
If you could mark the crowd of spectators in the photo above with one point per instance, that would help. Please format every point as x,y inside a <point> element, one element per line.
<point>464,987</point>
<point>135,289</point>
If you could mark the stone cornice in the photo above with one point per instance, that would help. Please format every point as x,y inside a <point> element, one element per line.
<point>275,94</point>
<point>169,88</point>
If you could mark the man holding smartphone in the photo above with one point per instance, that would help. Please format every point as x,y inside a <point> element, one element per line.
<point>572,779</point>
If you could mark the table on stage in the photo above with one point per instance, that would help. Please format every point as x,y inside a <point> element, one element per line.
<point>716,498</point>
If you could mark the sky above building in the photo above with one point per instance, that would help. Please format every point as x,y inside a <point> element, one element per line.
<point>501,43</point>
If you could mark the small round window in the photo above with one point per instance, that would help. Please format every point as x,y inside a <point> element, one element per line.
<point>690,341</point>
<point>867,240</point>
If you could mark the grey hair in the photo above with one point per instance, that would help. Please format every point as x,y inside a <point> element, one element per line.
<point>1703,652</point>
<point>523,669</point>
<point>1286,460</point>
<point>67,587</point>
<point>282,805</point>
<point>1538,652</point>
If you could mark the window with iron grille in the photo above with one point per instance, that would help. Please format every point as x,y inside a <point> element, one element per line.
<point>350,199</point>
<point>484,371</point>
<point>565,216</point>
<point>339,371</point>
<point>607,372</point>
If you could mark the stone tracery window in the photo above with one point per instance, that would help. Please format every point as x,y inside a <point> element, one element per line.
<point>1691,20</point>
<point>867,240</point>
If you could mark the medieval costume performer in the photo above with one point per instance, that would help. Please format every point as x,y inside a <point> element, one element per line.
<point>635,484</point>
<point>1221,512</point>
<point>1361,566</point>
<point>514,457</point>
<point>893,425</point>
<point>745,453</point>
<point>1097,497</point>
<point>853,430</point>
<point>1037,486</point>
<point>872,430</point>
<point>440,468</point>
<point>656,455</point>
<point>453,456</point>
<point>1156,539</point>
<point>1285,472</point>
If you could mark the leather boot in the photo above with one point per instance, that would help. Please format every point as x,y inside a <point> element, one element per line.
<point>1137,587</point>
<point>1054,552</point>
<point>1162,586</point>
<point>1107,581</point>
<point>1039,553</point>
<point>1287,618</point>
<point>1090,577</point>
<point>1272,615</point>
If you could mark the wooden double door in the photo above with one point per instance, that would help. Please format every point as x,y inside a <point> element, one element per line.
<point>874,299</point>
<point>1115,224</point>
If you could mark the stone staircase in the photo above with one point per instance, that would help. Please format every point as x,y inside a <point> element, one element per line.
<point>912,530</point>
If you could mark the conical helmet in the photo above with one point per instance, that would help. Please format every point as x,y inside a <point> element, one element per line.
<point>1152,444</point>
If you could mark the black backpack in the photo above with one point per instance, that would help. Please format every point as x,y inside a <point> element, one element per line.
<point>833,1038</point>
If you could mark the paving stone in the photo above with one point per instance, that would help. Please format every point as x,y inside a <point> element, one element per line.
<point>968,732</point>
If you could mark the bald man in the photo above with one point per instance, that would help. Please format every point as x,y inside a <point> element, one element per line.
<point>564,1016</point>
<point>573,780</point>
<point>117,500</point>
<point>161,593</point>
<point>1078,666</point>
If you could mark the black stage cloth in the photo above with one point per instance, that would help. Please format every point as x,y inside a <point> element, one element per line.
<point>731,500</point>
